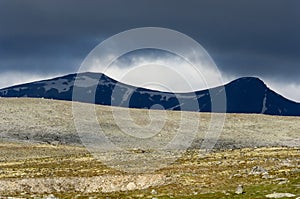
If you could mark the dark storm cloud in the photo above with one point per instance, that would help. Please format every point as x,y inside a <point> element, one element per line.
<point>257,37</point>
<point>38,53</point>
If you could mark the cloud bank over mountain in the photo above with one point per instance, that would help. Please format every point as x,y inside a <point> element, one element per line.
<point>244,38</point>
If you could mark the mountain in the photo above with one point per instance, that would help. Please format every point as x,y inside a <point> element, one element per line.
<point>243,95</point>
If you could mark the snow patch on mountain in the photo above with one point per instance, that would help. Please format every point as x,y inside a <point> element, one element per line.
<point>126,95</point>
<point>4,92</point>
<point>85,81</point>
<point>20,88</point>
<point>64,85</point>
<point>264,107</point>
<point>61,85</point>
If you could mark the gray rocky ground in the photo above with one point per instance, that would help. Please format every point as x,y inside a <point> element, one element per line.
<point>41,154</point>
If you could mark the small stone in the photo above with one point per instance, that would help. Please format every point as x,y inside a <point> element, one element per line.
<point>13,198</point>
<point>239,189</point>
<point>137,150</point>
<point>286,163</point>
<point>281,179</point>
<point>131,186</point>
<point>54,143</point>
<point>153,192</point>
<point>237,175</point>
<point>266,176</point>
<point>51,196</point>
<point>257,170</point>
<point>219,162</point>
<point>280,195</point>
<point>282,182</point>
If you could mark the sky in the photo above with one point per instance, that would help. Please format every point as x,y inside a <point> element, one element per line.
<point>46,38</point>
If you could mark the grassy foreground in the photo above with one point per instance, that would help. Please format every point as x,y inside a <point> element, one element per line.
<point>71,170</point>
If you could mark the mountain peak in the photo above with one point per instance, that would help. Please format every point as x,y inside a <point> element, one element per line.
<point>248,82</point>
<point>253,80</point>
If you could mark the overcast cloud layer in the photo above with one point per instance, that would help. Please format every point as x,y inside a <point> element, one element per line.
<point>40,39</point>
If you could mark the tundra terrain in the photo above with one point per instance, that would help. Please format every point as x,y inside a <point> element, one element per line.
<point>43,156</point>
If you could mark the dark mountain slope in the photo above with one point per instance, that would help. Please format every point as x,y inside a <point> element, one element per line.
<point>244,95</point>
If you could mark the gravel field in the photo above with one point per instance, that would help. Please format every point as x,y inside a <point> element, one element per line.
<point>51,121</point>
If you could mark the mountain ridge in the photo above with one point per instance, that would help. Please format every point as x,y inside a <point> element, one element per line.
<point>243,95</point>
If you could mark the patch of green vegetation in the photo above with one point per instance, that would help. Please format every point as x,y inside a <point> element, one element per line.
<point>191,176</point>
<point>175,191</point>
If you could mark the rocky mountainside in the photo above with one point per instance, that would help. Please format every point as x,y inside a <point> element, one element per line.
<point>244,95</point>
